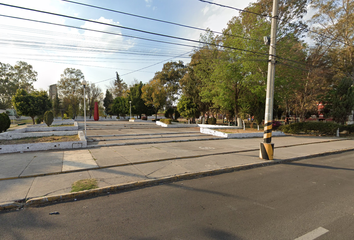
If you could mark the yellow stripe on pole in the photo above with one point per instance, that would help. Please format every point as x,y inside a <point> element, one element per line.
<point>266,151</point>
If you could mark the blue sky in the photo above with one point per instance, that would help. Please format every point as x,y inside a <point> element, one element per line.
<point>51,49</point>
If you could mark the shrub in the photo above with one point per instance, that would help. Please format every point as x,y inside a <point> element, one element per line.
<point>65,116</point>
<point>212,120</point>
<point>5,122</point>
<point>48,118</point>
<point>323,128</point>
<point>166,120</point>
<point>39,119</point>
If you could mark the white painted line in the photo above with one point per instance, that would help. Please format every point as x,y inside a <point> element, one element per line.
<point>313,234</point>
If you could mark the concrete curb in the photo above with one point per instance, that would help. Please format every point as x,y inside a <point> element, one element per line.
<point>35,202</point>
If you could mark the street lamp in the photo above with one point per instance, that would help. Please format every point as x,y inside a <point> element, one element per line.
<point>84,84</point>
<point>130,102</point>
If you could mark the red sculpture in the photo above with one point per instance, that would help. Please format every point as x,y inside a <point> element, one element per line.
<point>96,115</point>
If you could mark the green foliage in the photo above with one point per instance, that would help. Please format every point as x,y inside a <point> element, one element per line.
<point>169,77</point>
<point>186,107</point>
<point>322,128</point>
<point>169,113</point>
<point>19,76</point>
<point>340,100</point>
<point>211,120</point>
<point>138,104</point>
<point>34,104</point>
<point>154,94</point>
<point>65,116</point>
<point>166,120</point>
<point>107,102</point>
<point>120,106</point>
<point>5,122</point>
<point>71,90</point>
<point>39,119</point>
<point>48,118</point>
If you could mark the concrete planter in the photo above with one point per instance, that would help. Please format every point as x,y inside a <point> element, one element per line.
<point>27,147</point>
<point>238,135</point>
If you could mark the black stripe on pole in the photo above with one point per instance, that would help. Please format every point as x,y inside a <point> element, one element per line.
<point>266,151</point>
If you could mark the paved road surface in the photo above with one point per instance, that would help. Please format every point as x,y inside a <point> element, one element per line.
<point>299,200</point>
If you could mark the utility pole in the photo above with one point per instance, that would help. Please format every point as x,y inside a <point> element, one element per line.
<point>267,147</point>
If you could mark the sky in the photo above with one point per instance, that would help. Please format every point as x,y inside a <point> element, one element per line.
<point>50,49</point>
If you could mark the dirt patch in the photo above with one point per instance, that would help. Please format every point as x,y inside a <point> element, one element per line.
<point>64,125</point>
<point>41,139</point>
<point>239,130</point>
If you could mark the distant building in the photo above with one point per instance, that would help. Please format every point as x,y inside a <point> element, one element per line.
<point>52,91</point>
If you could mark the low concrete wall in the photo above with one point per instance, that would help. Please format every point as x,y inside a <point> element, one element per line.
<point>45,128</point>
<point>19,135</point>
<point>175,125</point>
<point>218,126</point>
<point>82,143</point>
<point>238,135</point>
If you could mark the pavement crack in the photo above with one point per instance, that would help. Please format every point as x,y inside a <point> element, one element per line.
<point>29,189</point>
<point>27,166</point>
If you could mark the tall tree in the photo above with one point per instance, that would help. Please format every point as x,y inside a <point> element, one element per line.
<point>169,76</point>
<point>20,76</point>
<point>138,104</point>
<point>107,102</point>
<point>118,87</point>
<point>154,94</point>
<point>70,88</point>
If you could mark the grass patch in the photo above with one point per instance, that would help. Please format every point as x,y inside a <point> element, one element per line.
<point>41,139</point>
<point>228,130</point>
<point>84,184</point>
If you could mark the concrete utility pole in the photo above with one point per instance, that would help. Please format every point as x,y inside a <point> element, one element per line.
<point>267,148</point>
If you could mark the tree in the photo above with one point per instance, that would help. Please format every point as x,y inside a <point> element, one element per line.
<point>186,107</point>
<point>340,100</point>
<point>138,104</point>
<point>119,87</point>
<point>94,94</point>
<point>20,76</point>
<point>107,102</point>
<point>120,106</point>
<point>154,94</point>
<point>70,89</point>
<point>169,76</point>
<point>34,104</point>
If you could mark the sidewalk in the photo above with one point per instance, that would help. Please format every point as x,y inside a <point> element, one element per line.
<point>39,177</point>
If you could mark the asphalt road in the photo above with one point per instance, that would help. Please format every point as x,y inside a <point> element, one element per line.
<point>304,199</point>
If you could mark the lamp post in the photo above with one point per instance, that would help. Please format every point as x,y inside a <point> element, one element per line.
<point>130,102</point>
<point>84,84</point>
<point>13,115</point>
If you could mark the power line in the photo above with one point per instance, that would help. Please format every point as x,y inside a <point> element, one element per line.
<point>132,29</point>
<point>149,66</point>
<point>157,20</point>
<point>266,15</point>
<point>98,31</point>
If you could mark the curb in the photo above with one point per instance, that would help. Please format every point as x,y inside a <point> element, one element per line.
<point>42,201</point>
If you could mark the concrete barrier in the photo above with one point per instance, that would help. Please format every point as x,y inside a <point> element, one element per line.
<point>238,135</point>
<point>27,147</point>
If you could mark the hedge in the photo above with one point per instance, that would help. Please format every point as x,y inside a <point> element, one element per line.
<point>323,128</point>
<point>166,120</point>
<point>5,122</point>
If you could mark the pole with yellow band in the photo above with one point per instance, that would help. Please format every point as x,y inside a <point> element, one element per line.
<point>267,147</point>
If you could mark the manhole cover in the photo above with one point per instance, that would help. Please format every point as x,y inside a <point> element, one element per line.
<point>207,148</point>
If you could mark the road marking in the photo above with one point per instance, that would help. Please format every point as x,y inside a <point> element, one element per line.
<point>313,234</point>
